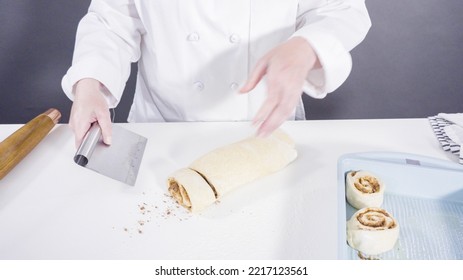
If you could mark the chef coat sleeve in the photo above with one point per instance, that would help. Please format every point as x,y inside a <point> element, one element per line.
<point>107,41</point>
<point>333,29</point>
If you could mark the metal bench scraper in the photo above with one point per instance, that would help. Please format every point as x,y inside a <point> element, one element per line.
<point>120,161</point>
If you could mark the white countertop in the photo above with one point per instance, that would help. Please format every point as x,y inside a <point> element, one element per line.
<point>51,208</point>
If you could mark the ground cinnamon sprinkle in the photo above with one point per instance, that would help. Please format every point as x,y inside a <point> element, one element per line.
<point>151,211</point>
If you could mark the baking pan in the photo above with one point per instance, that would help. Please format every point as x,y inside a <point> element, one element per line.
<point>424,194</point>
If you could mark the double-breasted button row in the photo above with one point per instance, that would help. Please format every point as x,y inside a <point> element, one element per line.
<point>199,86</point>
<point>194,37</point>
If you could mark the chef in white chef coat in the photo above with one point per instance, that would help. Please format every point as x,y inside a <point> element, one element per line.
<point>210,60</point>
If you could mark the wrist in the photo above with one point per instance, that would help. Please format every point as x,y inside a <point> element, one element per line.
<point>305,47</point>
<point>87,84</point>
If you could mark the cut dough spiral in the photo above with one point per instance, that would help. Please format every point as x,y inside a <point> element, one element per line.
<point>372,231</point>
<point>364,189</point>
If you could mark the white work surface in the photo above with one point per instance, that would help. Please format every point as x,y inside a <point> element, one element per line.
<point>51,208</point>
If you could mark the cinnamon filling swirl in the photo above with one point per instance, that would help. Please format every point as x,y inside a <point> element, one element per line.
<point>376,219</point>
<point>367,184</point>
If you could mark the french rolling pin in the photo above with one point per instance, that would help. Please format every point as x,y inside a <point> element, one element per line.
<point>16,146</point>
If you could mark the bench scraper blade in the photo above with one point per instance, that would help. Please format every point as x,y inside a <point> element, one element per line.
<point>120,160</point>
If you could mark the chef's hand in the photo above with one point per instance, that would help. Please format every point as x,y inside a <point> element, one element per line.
<point>286,67</point>
<point>89,106</point>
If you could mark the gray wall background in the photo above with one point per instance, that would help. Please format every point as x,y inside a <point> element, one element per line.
<point>410,65</point>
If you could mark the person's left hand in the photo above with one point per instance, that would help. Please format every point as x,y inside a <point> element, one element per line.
<point>286,67</point>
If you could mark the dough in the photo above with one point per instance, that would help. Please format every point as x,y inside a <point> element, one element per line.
<point>220,171</point>
<point>372,231</point>
<point>189,188</point>
<point>364,189</point>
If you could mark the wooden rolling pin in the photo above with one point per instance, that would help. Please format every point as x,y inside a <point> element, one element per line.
<point>14,148</point>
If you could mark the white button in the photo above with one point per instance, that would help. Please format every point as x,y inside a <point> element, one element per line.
<point>199,86</point>
<point>234,86</point>
<point>193,37</point>
<point>235,38</point>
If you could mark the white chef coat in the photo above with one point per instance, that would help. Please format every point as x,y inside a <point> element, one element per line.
<point>193,55</point>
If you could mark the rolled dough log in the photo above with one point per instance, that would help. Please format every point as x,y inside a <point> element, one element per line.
<point>220,171</point>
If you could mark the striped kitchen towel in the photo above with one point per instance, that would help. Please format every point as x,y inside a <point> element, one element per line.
<point>444,130</point>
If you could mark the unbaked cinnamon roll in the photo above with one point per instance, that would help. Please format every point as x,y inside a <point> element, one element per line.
<point>372,231</point>
<point>364,189</point>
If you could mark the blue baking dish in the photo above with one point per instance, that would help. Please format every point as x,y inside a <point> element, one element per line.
<point>424,194</point>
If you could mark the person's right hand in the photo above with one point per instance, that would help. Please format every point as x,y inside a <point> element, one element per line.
<point>89,106</point>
